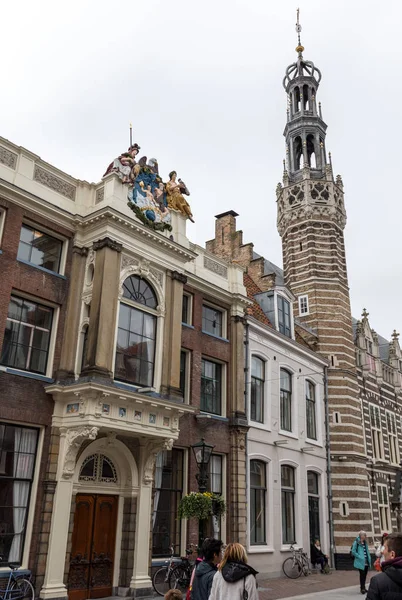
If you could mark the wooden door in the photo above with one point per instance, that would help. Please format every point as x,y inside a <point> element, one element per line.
<point>93,546</point>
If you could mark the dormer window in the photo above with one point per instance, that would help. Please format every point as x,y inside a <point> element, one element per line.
<point>369,346</point>
<point>284,322</point>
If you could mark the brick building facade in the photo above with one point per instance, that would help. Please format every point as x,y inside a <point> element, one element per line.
<point>123,346</point>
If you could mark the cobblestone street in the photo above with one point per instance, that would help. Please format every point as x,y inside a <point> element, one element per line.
<point>312,586</point>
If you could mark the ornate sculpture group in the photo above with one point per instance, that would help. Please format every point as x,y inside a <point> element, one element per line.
<point>149,197</point>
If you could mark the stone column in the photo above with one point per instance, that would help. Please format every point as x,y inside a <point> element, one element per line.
<point>172,336</point>
<point>72,322</point>
<point>102,322</point>
<point>70,442</point>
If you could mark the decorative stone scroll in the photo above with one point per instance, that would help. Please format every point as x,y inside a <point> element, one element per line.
<point>150,451</point>
<point>74,439</point>
<point>8,158</point>
<point>215,267</point>
<point>54,183</point>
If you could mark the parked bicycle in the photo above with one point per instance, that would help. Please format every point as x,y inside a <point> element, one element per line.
<point>296,564</point>
<point>17,586</point>
<point>175,574</point>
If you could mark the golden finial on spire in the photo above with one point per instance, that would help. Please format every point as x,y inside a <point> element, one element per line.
<point>299,48</point>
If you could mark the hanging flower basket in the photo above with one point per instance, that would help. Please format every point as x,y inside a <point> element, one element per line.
<point>201,506</point>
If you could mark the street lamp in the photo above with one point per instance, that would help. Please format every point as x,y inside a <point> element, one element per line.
<point>202,453</point>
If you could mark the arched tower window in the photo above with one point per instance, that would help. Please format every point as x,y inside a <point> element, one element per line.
<point>312,161</point>
<point>136,335</point>
<point>298,151</point>
<point>296,99</point>
<point>98,468</point>
<point>306,100</point>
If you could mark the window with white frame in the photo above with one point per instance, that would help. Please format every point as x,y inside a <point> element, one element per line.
<point>187,309</point>
<point>136,334</point>
<point>284,320</point>
<point>215,485</point>
<point>311,417</point>
<point>18,447</point>
<point>39,248</point>
<point>393,438</point>
<point>286,400</point>
<point>258,495</point>
<point>211,386</point>
<point>383,507</point>
<point>376,432</point>
<point>288,492</point>
<point>168,484</point>
<point>2,222</point>
<point>213,320</point>
<point>257,389</point>
<point>303,305</point>
<point>27,336</point>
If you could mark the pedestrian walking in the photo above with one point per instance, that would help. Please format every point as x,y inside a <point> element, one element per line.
<point>388,584</point>
<point>235,579</point>
<point>205,570</point>
<point>362,562</point>
<point>318,557</point>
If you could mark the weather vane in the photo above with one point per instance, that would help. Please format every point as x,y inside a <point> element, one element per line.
<point>299,48</point>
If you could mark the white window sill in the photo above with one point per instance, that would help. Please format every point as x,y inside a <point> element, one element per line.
<point>288,434</point>
<point>286,547</point>
<point>260,550</point>
<point>258,425</point>
<point>314,442</point>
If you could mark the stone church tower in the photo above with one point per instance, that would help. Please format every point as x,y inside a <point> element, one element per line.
<point>311,220</point>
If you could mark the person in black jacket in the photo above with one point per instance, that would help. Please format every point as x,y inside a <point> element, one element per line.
<point>206,569</point>
<point>318,557</point>
<point>388,584</point>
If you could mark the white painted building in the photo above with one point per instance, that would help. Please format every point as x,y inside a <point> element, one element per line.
<point>286,469</point>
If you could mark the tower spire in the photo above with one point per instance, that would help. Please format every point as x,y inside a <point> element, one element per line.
<point>299,48</point>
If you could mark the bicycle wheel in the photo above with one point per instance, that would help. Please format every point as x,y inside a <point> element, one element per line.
<point>22,589</point>
<point>305,566</point>
<point>160,581</point>
<point>292,568</point>
<point>180,578</point>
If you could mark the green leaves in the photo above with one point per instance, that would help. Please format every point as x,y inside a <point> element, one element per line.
<point>201,506</point>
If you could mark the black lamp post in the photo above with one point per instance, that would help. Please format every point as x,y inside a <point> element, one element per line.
<point>202,454</point>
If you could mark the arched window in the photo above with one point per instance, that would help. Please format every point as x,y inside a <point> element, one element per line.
<point>286,400</point>
<point>136,335</point>
<point>257,389</point>
<point>98,468</point>
<point>296,96</point>
<point>313,489</point>
<point>258,493</point>
<point>312,160</point>
<point>306,102</point>
<point>298,151</point>
<point>288,492</point>
<point>310,411</point>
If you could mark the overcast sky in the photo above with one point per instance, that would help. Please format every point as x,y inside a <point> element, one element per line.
<point>202,84</point>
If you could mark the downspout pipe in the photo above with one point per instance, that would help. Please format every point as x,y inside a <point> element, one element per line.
<point>246,403</point>
<point>329,479</point>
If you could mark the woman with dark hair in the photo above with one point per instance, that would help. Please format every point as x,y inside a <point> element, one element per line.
<point>235,579</point>
<point>380,550</point>
<point>205,570</point>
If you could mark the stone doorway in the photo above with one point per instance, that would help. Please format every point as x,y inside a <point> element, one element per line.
<point>93,547</point>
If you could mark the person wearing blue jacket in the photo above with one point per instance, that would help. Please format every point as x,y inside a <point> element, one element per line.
<point>362,562</point>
